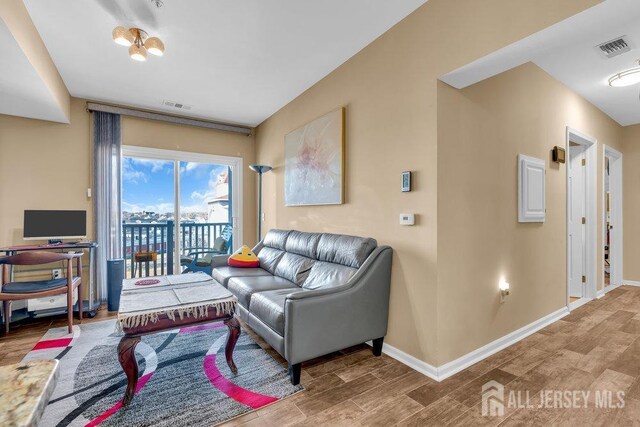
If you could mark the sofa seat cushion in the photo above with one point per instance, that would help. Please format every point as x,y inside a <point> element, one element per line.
<point>223,274</point>
<point>269,307</point>
<point>244,287</point>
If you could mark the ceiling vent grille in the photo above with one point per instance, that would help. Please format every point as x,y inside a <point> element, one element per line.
<point>176,105</point>
<point>614,47</point>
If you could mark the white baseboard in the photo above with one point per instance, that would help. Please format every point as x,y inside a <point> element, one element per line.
<point>601,293</point>
<point>412,362</point>
<point>631,282</point>
<point>448,369</point>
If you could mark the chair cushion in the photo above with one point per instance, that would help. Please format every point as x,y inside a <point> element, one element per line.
<point>304,244</point>
<point>244,287</point>
<point>220,244</point>
<point>33,287</point>
<point>351,251</point>
<point>269,308</point>
<point>294,268</point>
<point>328,275</point>
<point>223,274</point>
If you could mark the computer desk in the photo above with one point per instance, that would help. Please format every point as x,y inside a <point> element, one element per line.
<point>92,305</point>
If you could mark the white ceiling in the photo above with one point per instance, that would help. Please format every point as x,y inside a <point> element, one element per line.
<point>566,51</point>
<point>22,91</point>
<point>234,61</point>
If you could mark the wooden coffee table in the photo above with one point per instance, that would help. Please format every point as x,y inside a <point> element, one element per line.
<point>173,302</point>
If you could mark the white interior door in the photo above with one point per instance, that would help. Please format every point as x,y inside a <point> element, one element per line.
<point>577,220</point>
<point>615,220</point>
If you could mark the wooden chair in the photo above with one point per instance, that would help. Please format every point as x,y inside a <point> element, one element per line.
<point>37,289</point>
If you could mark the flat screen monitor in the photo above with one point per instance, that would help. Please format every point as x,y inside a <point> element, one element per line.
<point>39,225</point>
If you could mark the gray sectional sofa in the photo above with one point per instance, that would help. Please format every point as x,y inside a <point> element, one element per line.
<point>314,293</point>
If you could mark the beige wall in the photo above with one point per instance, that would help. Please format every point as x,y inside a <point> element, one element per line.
<point>43,165</point>
<point>631,202</point>
<point>46,165</point>
<point>481,130</point>
<point>389,90</point>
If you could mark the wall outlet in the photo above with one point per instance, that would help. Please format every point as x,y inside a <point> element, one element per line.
<point>56,273</point>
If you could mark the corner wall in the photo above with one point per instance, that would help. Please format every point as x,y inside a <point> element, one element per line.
<point>481,131</point>
<point>389,90</point>
<point>631,202</point>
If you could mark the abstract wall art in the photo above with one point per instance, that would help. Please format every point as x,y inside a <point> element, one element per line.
<point>314,162</point>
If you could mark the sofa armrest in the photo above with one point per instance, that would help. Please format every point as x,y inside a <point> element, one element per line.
<point>219,260</point>
<point>320,321</point>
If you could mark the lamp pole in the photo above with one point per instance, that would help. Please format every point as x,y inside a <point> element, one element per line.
<point>260,169</point>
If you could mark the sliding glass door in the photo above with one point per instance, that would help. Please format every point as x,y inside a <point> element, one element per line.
<point>178,208</point>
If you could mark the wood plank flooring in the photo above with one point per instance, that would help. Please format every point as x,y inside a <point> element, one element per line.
<point>596,347</point>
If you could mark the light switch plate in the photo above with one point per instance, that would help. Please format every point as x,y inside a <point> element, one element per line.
<point>407,219</point>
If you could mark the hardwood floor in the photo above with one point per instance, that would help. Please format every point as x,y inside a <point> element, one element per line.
<point>596,347</point>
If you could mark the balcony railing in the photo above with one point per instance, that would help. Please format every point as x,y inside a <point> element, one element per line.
<point>159,238</point>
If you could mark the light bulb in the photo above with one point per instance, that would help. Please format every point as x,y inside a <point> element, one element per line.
<point>138,53</point>
<point>155,46</point>
<point>122,36</point>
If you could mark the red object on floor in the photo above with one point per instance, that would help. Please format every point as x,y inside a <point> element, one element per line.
<point>60,342</point>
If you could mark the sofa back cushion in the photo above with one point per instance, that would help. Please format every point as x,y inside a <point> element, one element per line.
<point>314,260</point>
<point>328,275</point>
<point>276,239</point>
<point>273,249</point>
<point>304,244</point>
<point>350,251</point>
<point>294,268</point>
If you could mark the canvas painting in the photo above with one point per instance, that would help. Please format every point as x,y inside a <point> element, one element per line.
<point>314,162</point>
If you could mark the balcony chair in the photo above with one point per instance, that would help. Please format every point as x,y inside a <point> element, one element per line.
<point>13,291</point>
<point>200,259</point>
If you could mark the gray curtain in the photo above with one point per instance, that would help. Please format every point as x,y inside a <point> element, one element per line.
<point>107,226</point>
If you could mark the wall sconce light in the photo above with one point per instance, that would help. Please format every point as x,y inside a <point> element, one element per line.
<point>504,290</point>
<point>558,154</point>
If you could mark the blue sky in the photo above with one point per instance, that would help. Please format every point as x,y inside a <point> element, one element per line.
<point>147,184</point>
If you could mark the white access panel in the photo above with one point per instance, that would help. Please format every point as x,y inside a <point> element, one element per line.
<point>531,191</point>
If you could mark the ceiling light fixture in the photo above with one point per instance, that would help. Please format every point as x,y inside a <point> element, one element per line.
<point>625,78</point>
<point>139,42</point>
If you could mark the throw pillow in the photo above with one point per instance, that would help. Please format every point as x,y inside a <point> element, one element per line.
<point>244,258</point>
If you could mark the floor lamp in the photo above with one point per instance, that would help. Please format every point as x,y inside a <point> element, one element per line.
<point>260,169</point>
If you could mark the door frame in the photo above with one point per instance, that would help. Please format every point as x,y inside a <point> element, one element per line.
<point>236,165</point>
<point>618,211</point>
<point>591,233</point>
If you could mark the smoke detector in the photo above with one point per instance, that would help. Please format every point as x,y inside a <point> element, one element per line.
<point>176,105</point>
<point>614,47</point>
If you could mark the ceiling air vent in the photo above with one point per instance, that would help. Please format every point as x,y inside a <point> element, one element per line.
<point>614,47</point>
<point>176,105</point>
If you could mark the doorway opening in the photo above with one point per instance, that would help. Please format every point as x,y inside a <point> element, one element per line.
<point>612,219</point>
<point>176,209</point>
<point>581,218</point>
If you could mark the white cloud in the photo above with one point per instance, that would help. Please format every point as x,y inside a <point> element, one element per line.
<point>132,175</point>
<point>155,165</point>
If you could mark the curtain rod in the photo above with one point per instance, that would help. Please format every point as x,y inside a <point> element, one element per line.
<point>244,130</point>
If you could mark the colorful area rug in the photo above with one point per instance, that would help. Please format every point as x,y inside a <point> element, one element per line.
<point>184,378</point>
